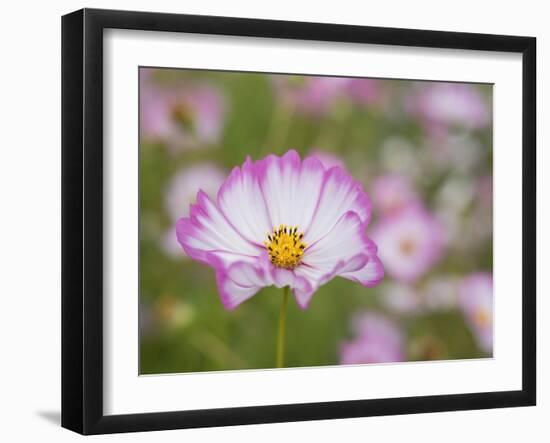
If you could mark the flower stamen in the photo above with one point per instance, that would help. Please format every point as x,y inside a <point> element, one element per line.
<point>407,246</point>
<point>285,246</point>
<point>184,116</point>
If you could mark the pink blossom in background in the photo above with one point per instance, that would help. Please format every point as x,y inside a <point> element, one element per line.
<point>210,111</point>
<point>315,95</point>
<point>310,95</point>
<point>169,244</point>
<point>364,91</point>
<point>181,117</point>
<point>328,159</point>
<point>184,185</point>
<point>450,104</point>
<point>282,221</point>
<point>181,192</point>
<point>377,340</point>
<point>476,301</point>
<point>391,193</point>
<point>410,243</point>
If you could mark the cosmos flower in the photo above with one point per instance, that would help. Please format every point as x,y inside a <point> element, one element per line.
<point>410,243</point>
<point>377,340</point>
<point>181,192</point>
<point>449,104</point>
<point>181,117</point>
<point>307,94</point>
<point>476,301</point>
<point>392,193</point>
<point>282,221</point>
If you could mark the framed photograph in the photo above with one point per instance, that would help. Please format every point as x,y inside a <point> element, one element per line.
<point>269,221</point>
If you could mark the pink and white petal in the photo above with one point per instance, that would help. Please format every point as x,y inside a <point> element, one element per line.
<point>232,294</point>
<point>307,192</point>
<point>354,264</point>
<point>340,193</point>
<point>285,277</point>
<point>298,282</point>
<point>345,251</point>
<point>313,275</point>
<point>278,177</point>
<point>317,277</point>
<point>225,259</point>
<point>303,298</point>
<point>244,278</point>
<point>369,275</point>
<point>345,240</point>
<point>248,274</point>
<point>291,188</point>
<point>207,229</point>
<point>263,273</point>
<point>241,201</point>
<point>238,281</point>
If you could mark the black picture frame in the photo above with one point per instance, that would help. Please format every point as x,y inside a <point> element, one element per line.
<point>82,220</point>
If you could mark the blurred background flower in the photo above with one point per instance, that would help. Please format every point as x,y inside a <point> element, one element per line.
<point>476,301</point>
<point>365,91</point>
<point>393,193</point>
<point>376,340</point>
<point>422,150</point>
<point>310,95</point>
<point>441,105</point>
<point>180,116</point>
<point>180,194</point>
<point>410,242</point>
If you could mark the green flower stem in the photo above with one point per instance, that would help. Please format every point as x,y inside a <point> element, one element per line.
<point>280,350</point>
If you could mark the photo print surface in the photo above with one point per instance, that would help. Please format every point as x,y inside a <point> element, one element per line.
<point>302,220</point>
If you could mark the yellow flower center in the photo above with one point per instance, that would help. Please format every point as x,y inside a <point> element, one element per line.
<point>285,246</point>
